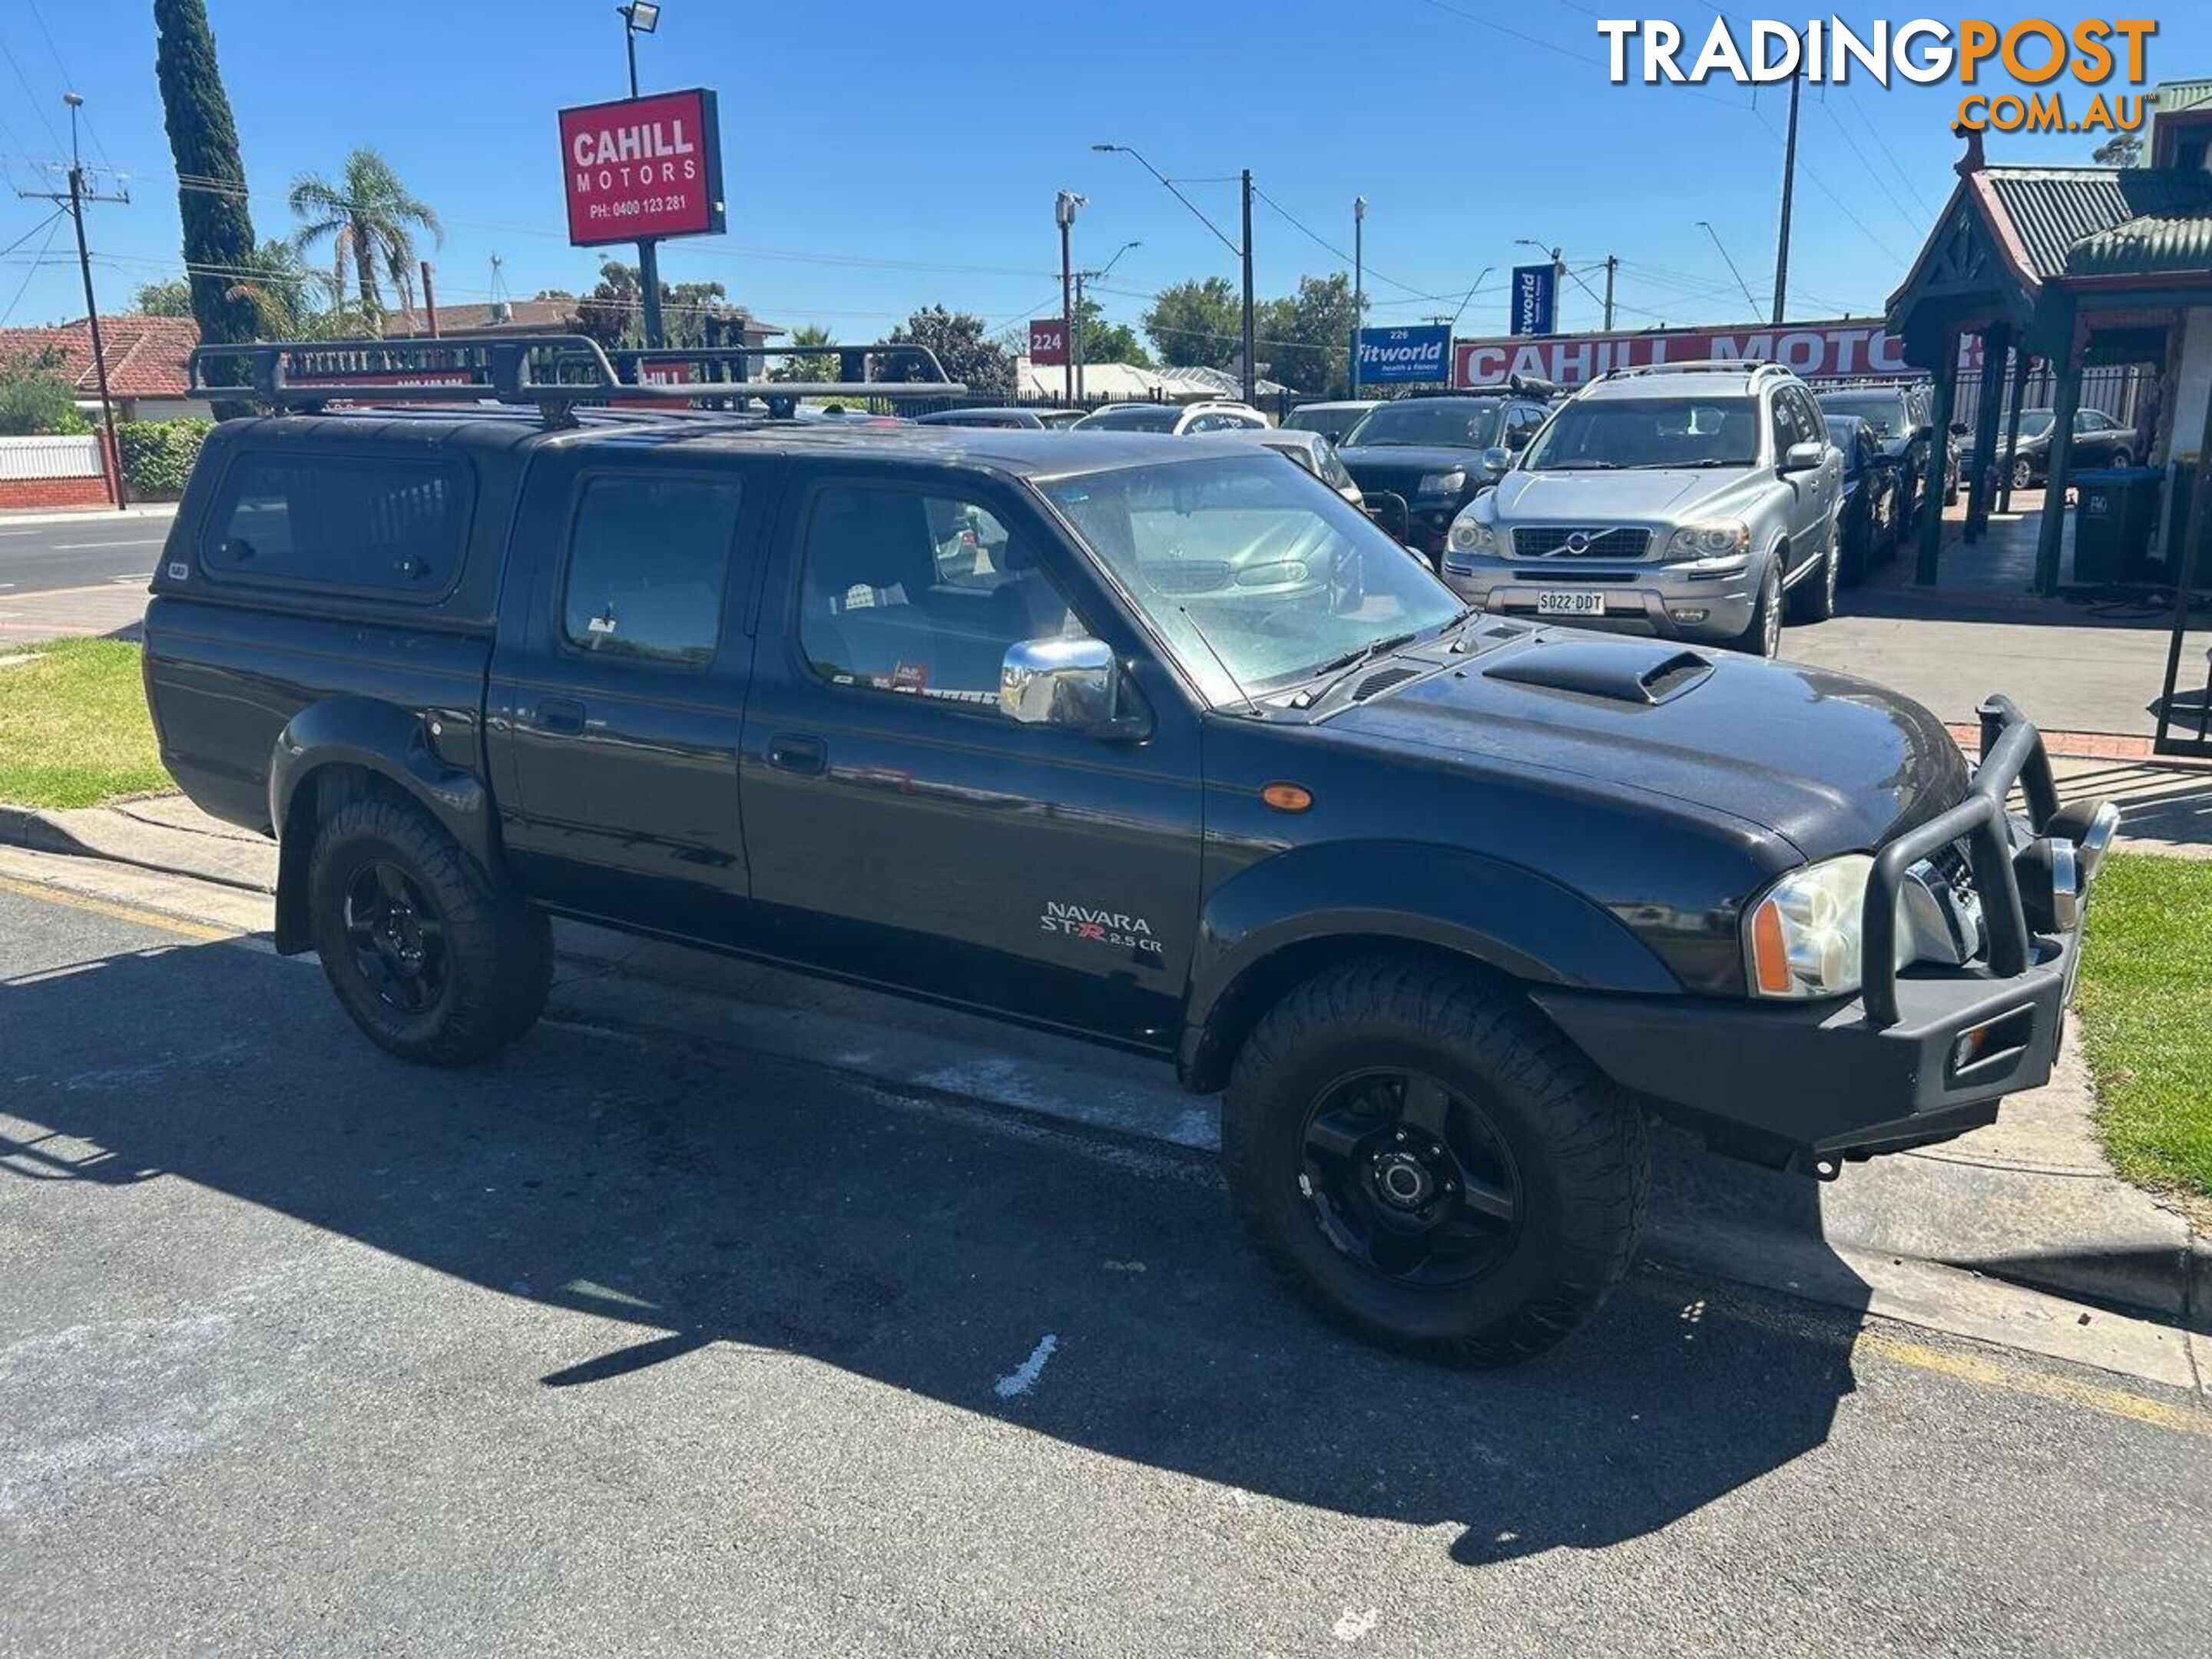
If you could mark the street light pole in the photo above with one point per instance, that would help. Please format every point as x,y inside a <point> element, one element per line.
<point>1359,282</point>
<point>1612,265</point>
<point>638,19</point>
<point>1081,277</point>
<point>1749,298</point>
<point>1064,211</point>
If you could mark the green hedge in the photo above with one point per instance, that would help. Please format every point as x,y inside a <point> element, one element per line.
<point>158,456</point>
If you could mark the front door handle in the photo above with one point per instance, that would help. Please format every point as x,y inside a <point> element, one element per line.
<point>798,754</point>
<point>564,715</point>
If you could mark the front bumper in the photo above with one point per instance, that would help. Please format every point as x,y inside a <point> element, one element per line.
<point>1920,1054</point>
<point>1639,598</point>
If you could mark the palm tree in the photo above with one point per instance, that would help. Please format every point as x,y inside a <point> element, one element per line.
<point>371,222</point>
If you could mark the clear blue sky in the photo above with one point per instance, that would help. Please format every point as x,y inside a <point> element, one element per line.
<point>1465,123</point>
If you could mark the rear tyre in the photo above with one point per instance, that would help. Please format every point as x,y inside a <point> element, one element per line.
<point>2122,457</point>
<point>1814,598</point>
<point>432,961</point>
<point>1424,1160</point>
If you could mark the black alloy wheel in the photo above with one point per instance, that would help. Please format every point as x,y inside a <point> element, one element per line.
<point>397,937</point>
<point>1409,1180</point>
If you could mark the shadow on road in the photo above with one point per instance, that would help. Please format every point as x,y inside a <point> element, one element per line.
<point>709,1197</point>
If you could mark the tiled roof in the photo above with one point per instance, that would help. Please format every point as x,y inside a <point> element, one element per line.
<point>2051,209</point>
<point>146,355</point>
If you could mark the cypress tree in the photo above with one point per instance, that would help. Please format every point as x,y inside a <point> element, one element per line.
<point>211,178</point>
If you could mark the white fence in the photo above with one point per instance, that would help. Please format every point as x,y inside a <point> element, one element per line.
<point>49,457</point>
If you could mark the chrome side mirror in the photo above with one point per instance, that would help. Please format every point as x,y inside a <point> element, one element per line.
<point>1496,460</point>
<point>1057,682</point>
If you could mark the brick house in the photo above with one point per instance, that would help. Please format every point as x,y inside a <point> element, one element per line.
<point>146,359</point>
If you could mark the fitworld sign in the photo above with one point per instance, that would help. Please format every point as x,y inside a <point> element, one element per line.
<point>643,168</point>
<point>1391,357</point>
<point>1815,352</point>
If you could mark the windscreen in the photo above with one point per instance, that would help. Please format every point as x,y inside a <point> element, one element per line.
<point>1431,422</point>
<point>1648,433</point>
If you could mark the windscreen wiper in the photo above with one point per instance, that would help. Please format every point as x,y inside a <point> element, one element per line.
<point>1342,668</point>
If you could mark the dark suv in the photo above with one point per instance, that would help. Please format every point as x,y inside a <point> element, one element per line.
<point>1162,745</point>
<point>1420,459</point>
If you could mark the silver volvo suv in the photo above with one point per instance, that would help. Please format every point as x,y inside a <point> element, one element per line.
<point>1690,501</point>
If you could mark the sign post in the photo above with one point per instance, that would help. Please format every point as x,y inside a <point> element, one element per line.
<point>1535,299</point>
<point>1402,356</point>
<point>640,169</point>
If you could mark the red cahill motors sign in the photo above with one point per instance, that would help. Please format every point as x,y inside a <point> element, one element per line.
<point>642,168</point>
<point>1815,352</point>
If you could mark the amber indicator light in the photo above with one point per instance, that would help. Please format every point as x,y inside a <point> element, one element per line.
<point>1287,797</point>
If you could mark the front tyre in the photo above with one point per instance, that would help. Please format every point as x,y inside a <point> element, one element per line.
<point>1814,598</point>
<point>1762,636</point>
<point>432,961</point>
<point>1431,1165</point>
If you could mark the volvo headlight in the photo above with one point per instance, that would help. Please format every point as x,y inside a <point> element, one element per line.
<point>1709,541</point>
<point>1470,535</point>
<point>1442,483</point>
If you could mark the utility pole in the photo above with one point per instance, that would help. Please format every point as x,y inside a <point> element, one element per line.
<point>1064,211</point>
<point>641,19</point>
<point>77,197</point>
<point>1612,265</point>
<point>1251,369</point>
<point>1789,190</point>
<point>1081,277</point>
<point>430,301</point>
<point>1359,282</point>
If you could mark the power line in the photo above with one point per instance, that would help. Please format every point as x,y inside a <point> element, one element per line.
<point>1311,235</point>
<point>53,225</point>
<point>30,93</point>
<point>1840,205</point>
<point>1844,133</point>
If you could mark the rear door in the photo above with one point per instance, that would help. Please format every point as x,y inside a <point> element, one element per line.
<point>903,830</point>
<point>619,688</point>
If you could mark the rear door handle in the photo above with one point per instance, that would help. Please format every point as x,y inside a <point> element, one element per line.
<point>560,714</point>
<point>797,754</point>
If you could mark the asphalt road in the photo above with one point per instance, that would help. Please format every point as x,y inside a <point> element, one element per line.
<point>626,1346</point>
<point>80,552</point>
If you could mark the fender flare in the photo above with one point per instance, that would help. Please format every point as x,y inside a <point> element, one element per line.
<point>384,741</point>
<point>1505,917</point>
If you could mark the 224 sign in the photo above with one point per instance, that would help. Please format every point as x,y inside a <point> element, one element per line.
<point>1047,342</point>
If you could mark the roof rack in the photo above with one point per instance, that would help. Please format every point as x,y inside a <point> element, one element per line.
<point>553,373</point>
<point>1697,366</point>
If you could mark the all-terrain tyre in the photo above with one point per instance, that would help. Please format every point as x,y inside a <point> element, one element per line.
<point>1426,1160</point>
<point>432,960</point>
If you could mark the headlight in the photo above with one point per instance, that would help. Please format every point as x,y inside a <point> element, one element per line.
<point>1442,483</point>
<point>1709,541</point>
<point>1803,938</point>
<point>1471,536</point>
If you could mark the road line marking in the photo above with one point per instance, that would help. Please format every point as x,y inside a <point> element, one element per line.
<point>32,889</point>
<point>1978,1369</point>
<point>1023,1377</point>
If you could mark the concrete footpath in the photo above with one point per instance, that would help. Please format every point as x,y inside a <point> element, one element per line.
<point>2027,1202</point>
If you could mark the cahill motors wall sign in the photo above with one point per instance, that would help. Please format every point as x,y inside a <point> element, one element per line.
<point>1815,351</point>
<point>642,168</point>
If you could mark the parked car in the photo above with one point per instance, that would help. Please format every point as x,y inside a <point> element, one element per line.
<point>1160,746</point>
<point>1210,415</point>
<point>1420,461</point>
<point>2098,441</point>
<point>1870,520</point>
<point>1332,419</point>
<point>1012,418</point>
<point>1684,500</point>
<point>1309,450</point>
<point>1902,419</point>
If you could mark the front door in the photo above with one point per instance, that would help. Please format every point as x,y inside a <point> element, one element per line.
<point>619,688</point>
<point>901,829</point>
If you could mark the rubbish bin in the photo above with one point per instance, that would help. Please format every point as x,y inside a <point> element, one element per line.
<point>2115,511</point>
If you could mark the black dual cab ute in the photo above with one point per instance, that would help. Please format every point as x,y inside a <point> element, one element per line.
<point>1161,745</point>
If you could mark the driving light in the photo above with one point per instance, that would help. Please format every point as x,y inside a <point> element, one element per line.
<point>1802,939</point>
<point>1442,483</point>
<point>1709,541</point>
